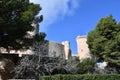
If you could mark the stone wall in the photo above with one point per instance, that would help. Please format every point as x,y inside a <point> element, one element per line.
<point>14,52</point>
<point>56,49</point>
<point>50,49</point>
<point>53,49</point>
<point>67,50</point>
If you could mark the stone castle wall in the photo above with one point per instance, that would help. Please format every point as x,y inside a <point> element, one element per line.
<point>67,50</point>
<point>47,48</point>
<point>55,49</point>
<point>83,50</point>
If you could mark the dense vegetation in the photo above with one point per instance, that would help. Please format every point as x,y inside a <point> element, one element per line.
<point>86,66</point>
<point>83,77</point>
<point>16,17</point>
<point>104,41</point>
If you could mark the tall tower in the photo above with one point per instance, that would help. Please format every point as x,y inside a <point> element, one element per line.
<point>67,50</point>
<point>83,50</point>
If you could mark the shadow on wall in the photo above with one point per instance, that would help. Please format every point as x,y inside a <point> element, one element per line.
<point>49,49</point>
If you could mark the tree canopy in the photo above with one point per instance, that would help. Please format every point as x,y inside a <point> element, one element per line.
<point>16,17</point>
<point>104,40</point>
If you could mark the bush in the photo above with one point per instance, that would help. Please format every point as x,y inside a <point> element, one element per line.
<point>86,66</point>
<point>83,77</point>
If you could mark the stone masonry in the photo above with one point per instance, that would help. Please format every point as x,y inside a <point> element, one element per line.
<point>55,49</point>
<point>83,50</point>
<point>67,51</point>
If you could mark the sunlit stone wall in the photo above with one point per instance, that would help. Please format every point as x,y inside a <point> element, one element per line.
<point>83,50</point>
<point>56,49</point>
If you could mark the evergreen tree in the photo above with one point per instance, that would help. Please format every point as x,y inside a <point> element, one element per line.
<point>16,17</point>
<point>104,41</point>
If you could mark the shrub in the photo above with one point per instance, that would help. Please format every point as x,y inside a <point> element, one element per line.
<point>86,66</point>
<point>83,77</point>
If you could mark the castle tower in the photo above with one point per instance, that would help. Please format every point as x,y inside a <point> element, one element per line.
<point>83,50</point>
<point>67,50</point>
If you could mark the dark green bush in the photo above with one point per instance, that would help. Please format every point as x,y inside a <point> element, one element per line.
<point>83,77</point>
<point>86,66</point>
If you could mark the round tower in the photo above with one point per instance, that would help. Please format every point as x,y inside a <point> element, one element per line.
<point>82,46</point>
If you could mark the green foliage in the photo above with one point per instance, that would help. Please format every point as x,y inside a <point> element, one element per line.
<point>104,41</point>
<point>83,77</point>
<point>40,37</point>
<point>86,66</point>
<point>16,17</point>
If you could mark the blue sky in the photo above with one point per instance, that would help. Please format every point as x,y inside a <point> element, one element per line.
<point>66,19</point>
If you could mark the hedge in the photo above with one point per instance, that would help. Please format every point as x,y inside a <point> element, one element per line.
<point>82,77</point>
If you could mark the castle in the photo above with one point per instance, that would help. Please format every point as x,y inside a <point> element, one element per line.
<point>50,48</point>
<point>53,49</point>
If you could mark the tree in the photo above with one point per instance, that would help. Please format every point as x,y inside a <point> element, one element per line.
<point>42,64</point>
<point>16,17</point>
<point>86,66</point>
<point>40,37</point>
<point>104,41</point>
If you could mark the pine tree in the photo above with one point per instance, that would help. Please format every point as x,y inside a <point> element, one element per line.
<point>16,17</point>
<point>104,41</point>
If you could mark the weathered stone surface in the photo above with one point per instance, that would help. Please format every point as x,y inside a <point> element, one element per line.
<point>50,49</point>
<point>83,50</point>
<point>67,51</point>
<point>55,49</point>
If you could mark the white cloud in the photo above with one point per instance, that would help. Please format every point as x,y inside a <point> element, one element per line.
<point>53,10</point>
